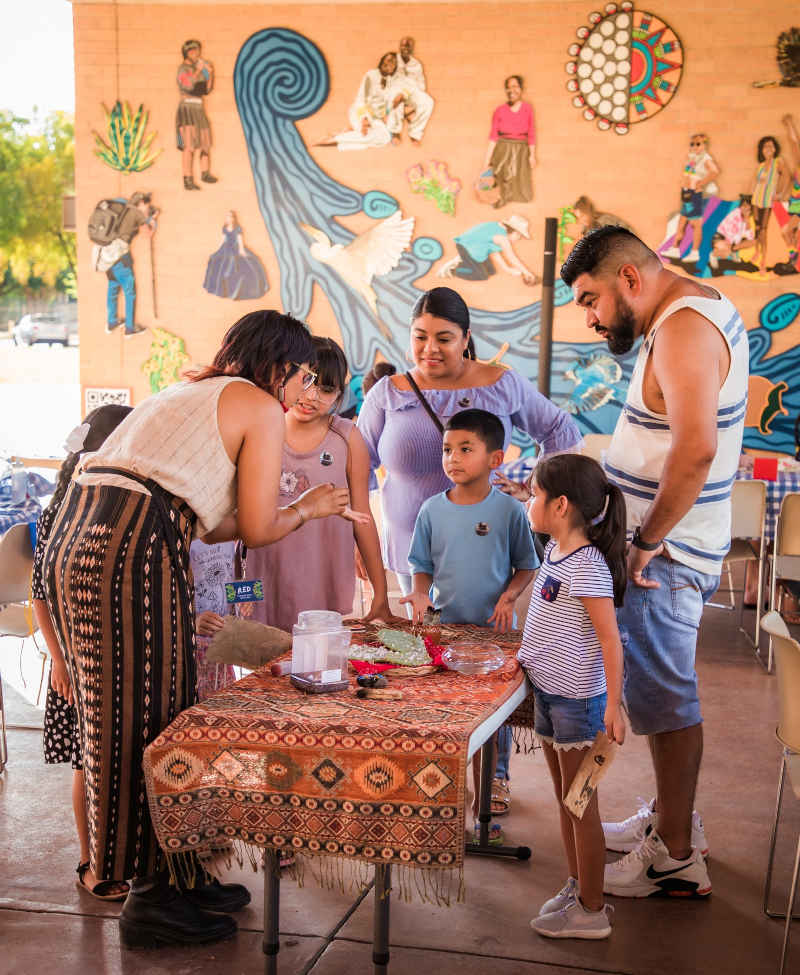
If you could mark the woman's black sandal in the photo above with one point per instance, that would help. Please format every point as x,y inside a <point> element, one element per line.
<point>103,890</point>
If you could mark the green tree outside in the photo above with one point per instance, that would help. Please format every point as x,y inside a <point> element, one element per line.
<point>37,167</point>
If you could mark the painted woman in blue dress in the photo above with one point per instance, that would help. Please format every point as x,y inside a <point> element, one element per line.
<point>234,271</point>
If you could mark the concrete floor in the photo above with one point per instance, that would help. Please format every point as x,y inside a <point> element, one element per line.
<point>47,925</point>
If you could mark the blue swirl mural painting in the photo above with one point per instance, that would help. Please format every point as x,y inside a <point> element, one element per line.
<point>281,77</point>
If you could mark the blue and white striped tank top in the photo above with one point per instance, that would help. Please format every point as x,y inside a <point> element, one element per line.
<point>642,439</point>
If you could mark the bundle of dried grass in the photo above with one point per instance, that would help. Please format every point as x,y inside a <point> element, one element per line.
<point>247,643</point>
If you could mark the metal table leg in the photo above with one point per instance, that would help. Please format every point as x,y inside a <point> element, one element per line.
<point>270,944</point>
<point>482,848</point>
<point>380,920</point>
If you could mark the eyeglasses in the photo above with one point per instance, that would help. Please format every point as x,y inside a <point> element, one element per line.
<point>308,377</point>
<point>321,392</point>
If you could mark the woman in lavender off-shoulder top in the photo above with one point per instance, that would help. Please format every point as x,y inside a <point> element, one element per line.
<point>403,439</point>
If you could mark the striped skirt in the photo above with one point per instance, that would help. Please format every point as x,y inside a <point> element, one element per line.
<point>119,590</point>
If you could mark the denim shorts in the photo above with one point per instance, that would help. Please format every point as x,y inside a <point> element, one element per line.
<point>658,628</point>
<point>568,722</point>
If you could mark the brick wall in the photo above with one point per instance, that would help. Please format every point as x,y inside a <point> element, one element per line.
<point>133,51</point>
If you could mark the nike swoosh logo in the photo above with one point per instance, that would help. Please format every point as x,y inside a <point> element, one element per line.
<point>654,874</point>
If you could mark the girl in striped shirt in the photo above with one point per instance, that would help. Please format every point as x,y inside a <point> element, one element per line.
<point>572,653</point>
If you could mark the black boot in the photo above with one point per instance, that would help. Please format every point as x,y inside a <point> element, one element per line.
<point>208,178</point>
<point>214,896</point>
<point>156,915</point>
<point>189,183</point>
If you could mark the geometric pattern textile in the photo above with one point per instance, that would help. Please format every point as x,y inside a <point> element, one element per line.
<point>383,781</point>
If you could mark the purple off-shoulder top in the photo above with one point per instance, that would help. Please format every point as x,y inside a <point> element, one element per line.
<point>402,438</point>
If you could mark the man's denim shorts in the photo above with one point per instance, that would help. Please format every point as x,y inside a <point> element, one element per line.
<point>659,638</point>
<point>568,722</point>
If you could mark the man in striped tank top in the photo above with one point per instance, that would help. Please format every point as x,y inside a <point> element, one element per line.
<point>674,455</point>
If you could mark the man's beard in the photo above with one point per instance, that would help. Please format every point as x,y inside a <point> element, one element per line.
<point>622,334</point>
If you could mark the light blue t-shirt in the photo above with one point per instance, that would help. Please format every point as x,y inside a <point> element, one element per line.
<point>471,550</point>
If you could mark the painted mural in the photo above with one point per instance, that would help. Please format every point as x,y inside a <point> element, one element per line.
<point>511,152</point>
<point>711,236</point>
<point>625,67</point>
<point>192,128</point>
<point>434,182</point>
<point>281,77</point>
<point>128,149</point>
<point>233,270</point>
<point>787,56</point>
<point>369,278</point>
<point>392,98</point>
<point>167,359</point>
<point>113,225</point>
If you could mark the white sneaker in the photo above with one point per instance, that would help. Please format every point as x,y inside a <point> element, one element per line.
<point>673,252</point>
<point>561,899</point>
<point>627,835</point>
<point>574,921</point>
<point>693,255</point>
<point>649,871</point>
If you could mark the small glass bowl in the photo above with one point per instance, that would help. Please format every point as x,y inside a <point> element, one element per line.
<point>473,658</point>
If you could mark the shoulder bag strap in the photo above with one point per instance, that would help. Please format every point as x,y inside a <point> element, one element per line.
<point>425,404</point>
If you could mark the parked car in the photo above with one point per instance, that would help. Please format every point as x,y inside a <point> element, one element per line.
<point>41,327</point>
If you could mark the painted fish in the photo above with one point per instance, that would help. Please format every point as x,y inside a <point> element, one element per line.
<point>597,381</point>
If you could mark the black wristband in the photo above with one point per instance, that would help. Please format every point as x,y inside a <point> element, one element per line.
<point>639,542</point>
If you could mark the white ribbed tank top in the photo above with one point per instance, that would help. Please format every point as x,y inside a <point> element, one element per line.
<point>642,439</point>
<point>173,437</point>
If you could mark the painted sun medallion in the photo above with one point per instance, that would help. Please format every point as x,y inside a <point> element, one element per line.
<point>624,68</point>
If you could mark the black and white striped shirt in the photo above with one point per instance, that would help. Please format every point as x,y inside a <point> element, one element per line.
<point>560,650</point>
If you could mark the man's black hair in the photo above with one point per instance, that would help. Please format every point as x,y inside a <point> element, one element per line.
<point>594,252</point>
<point>483,424</point>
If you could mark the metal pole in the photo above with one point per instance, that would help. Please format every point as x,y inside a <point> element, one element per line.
<point>485,798</point>
<point>380,921</point>
<point>271,944</point>
<point>546,318</point>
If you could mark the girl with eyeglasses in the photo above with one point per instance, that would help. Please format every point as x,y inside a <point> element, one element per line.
<point>201,459</point>
<point>320,446</point>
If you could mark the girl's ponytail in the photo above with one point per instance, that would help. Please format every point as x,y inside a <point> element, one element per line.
<point>607,532</point>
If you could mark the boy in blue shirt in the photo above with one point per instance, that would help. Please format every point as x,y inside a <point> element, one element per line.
<point>472,551</point>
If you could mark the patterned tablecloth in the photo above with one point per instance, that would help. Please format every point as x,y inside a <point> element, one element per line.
<point>787,481</point>
<point>267,765</point>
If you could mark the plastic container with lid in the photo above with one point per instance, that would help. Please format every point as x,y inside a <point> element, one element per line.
<point>319,652</point>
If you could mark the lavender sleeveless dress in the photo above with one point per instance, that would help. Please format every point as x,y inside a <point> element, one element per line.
<point>402,438</point>
<point>313,567</point>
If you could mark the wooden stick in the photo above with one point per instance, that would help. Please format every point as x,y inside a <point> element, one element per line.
<point>593,767</point>
<point>379,694</point>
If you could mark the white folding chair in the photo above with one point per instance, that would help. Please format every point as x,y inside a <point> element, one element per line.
<point>788,734</point>
<point>16,611</point>
<point>786,556</point>
<point>748,543</point>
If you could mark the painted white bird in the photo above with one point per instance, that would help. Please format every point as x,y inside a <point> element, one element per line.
<point>377,251</point>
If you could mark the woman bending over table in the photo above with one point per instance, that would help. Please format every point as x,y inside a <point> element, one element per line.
<point>201,458</point>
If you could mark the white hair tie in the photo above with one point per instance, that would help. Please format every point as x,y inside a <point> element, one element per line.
<point>76,439</point>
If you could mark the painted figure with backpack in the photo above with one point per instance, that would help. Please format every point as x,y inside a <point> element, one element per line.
<point>112,226</point>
